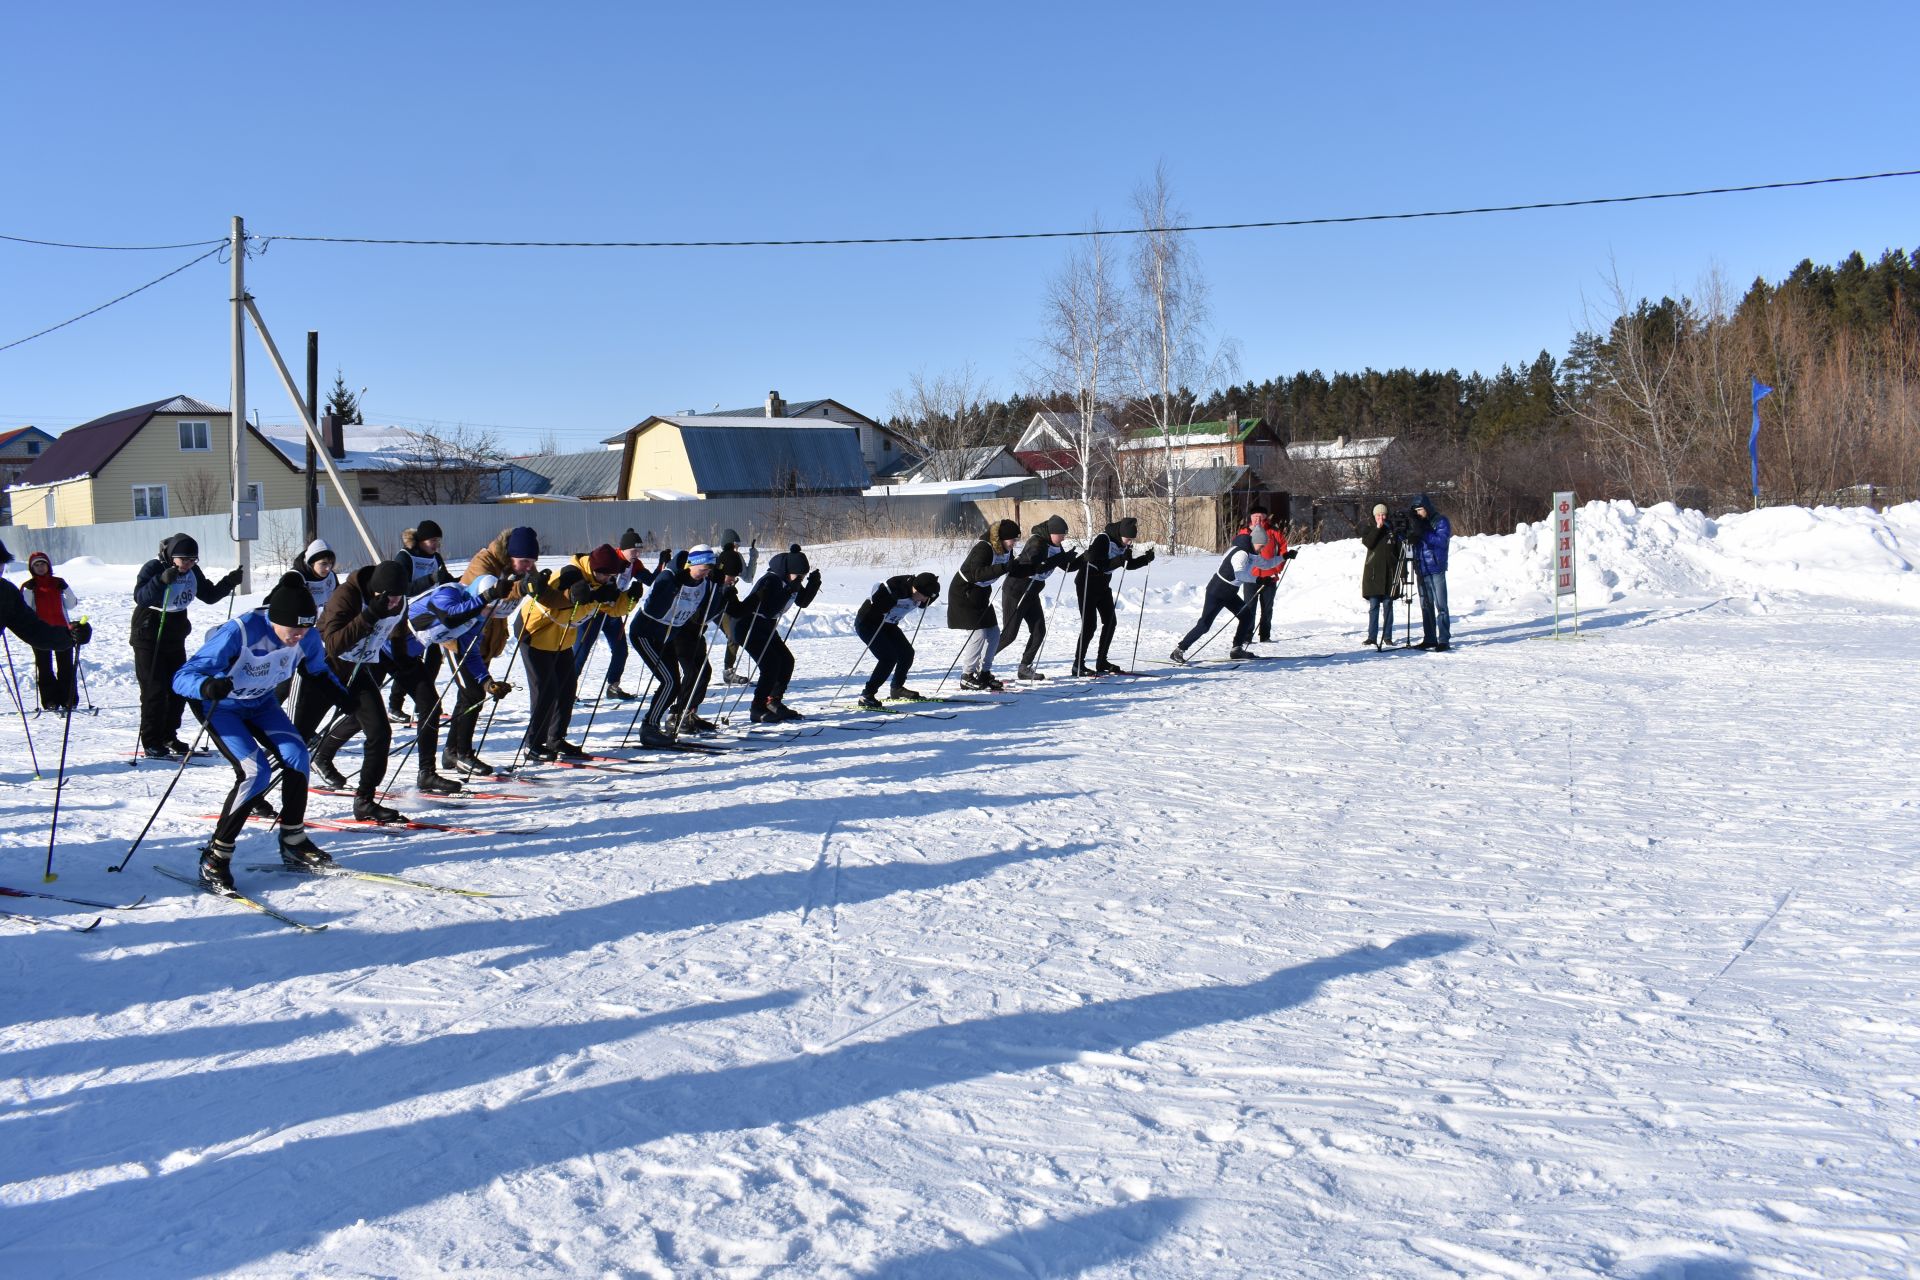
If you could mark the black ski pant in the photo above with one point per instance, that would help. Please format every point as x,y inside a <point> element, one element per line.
<point>1221,597</point>
<point>690,652</point>
<point>314,697</point>
<point>1096,610</point>
<point>55,669</point>
<point>892,654</point>
<point>1265,589</point>
<point>362,713</point>
<point>416,676</point>
<point>157,658</point>
<point>1024,601</point>
<point>657,654</point>
<point>552,682</point>
<point>732,629</point>
<point>770,652</point>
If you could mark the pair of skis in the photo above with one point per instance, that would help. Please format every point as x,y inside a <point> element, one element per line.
<point>48,922</point>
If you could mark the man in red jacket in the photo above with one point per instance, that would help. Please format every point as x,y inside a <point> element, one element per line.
<point>54,601</point>
<point>17,617</point>
<point>1269,562</point>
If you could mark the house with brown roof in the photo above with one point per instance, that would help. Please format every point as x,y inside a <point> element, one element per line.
<point>20,448</point>
<point>154,461</point>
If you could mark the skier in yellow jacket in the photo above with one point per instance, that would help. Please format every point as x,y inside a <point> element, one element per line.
<point>551,615</point>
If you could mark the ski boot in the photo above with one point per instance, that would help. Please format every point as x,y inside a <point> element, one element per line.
<point>734,677</point>
<point>567,751</point>
<point>974,680</point>
<point>614,693</point>
<point>762,712</point>
<point>367,809</point>
<point>261,809</point>
<point>1241,653</point>
<point>695,723</point>
<point>545,755</point>
<point>430,783</point>
<point>299,853</point>
<point>180,750</point>
<point>1027,672</point>
<point>1084,671</point>
<point>1178,657</point>
<point>466,762</point>
<point>652,735</point>
<point>216,869</point>
<point>330,777</point>
<point>1109,669</point>
<point>900,693</point>
<point>868,702</point>
<point>784,712</point>
<point>159,753</point>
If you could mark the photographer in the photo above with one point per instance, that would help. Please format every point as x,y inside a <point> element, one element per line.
<point>1382,542</point>
<point>1429,532</point>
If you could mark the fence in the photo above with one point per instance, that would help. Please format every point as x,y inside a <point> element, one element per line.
<point>563,527</point>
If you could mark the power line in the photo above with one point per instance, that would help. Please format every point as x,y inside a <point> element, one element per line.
<point>112,248</point>
<point>217,247</point>
<point>1120,231</point>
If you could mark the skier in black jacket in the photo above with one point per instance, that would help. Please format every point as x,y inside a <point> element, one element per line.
<point>166,585</point>
<point>1025,598</point>
<point>681,600</point>
<point>789,579</point>
<point>1111,549</point>
<point>970,602</point>
<point>877,623</point>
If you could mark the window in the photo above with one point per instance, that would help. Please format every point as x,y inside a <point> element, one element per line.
<point>33,446</point>
<point>150,500</point>
<point>194,438</point>
<point>369,494</point>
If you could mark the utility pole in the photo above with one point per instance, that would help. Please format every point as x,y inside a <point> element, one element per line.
<point>237,405</point>
<point>313,407</point>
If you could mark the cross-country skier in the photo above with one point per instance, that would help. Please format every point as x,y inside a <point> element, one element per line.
<point>692,647</point>
<point>789,580</point>
<point>54,602</point>
<point>678,601</point>
<point>1110,550</point>
<point>233,677</point>
<point>166,586</point>
<point>21,619</point>
<point>730,541</point>
<point>1025,598</point>
<point>1270,557</point>
<point>511,560</point>
<point>426,569</point>
<point>611,622</point>
<point>355,630</point>
<point>877,623</point>
<point>316,565</point>
<point>550,619</point>
<point>970,602</point>
<point>1231,588</point>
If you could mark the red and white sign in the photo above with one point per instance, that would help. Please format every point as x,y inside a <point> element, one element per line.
<point>1563,517</point>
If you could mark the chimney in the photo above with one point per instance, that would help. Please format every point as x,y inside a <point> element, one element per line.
<point>336,436</point>
<point>776,407</point>
<point>1339,442</point>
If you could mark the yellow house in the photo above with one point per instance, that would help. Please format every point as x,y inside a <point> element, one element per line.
<point>158,461</point>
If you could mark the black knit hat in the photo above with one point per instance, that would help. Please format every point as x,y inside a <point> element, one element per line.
<point>629,540</point>
<point>182,545</point>
<point>387,579</point>
<point>927,585</point>
<point>1056,525</point>
<point>1005,529</point>
<point>424,530</point>
<point>290,604</point>
<point>1125,527</point>
<point>731,563</point>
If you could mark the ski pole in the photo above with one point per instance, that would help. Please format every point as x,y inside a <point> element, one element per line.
<point>1139,615</point>
<point>706,666</point>
<point>759,661</point>
<point>133,761</point>
<point>606,678</point>
<point>511,655</point>
<point>1086,631</point>
<point>80,672</point>
<point>59,785</point>
<point>20,705</point>
<point>184,761</point>
<point>1235,618</point>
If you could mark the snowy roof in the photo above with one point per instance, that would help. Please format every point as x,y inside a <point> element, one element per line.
<point>592,473</point>
<point>1187,435</point>
<point>1208,482</point>
<point>368,448</point>
<point>985,486</point>
<point>1051,429</point>
<point>1338,449</point>
<point>86,450</point>
<point>961,464</point>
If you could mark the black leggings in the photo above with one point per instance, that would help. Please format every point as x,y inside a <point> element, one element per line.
<point>552,682</point>
<point>764,645</point>
<point>1025,601</point>
<point>361,714</point>
<point>892,654</point>
<point>158,656</point>
<point>1096,609</point>
<point>55,667</point>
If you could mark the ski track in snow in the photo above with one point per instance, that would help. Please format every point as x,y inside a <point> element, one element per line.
<point>1577,958</point>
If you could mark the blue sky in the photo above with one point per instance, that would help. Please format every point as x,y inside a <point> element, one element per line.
<point>149,124</point>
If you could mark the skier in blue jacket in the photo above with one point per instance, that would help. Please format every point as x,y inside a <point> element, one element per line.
<point>233,677</point>
<point>1430,532</point>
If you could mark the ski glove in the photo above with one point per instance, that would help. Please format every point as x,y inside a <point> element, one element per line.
<point>582,593</point>
<point>82,632</point>
<point>813,579</point>
<point>1292,552</point>
<point>170,575</point>
<point>607,594</point>
<point>214,688</point>
<point>498,689</point>
<point>231,581</point>
<point>1144,559</point>
<point>538,580</point>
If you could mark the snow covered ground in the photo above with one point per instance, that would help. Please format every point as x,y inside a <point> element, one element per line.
<point>1537,958</point>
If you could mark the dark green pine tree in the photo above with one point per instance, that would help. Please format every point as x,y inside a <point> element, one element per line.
<point>344,404</point>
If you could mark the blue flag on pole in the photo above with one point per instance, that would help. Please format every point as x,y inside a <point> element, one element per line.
<point>1760,392</point>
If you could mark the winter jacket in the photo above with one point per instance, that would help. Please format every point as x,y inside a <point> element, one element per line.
<point>676,604</point>
<point>1430,538</point>
<point>351,638</point>
<point>446,616</point>
<point>889,601</point>
<point>158,603</point>
<point>423,571</point>
<point>1383,560</point>
<point>17,617</point>
<point>1106,555</point>
<point>52,598</point>
<point>550,620</point>
<point>773,593</point>
<point>969,598</point>
<point>493,559</point>
<point>1040,557</point>
<point>1269,559</point>
<point>248,651</point>
<point>630,587</point>
<point>1243,562</point>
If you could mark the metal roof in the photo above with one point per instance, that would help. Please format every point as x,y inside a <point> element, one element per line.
<point>1338,448</point>
<point>594,473</point>
<point>956,464</point>
<point>1208,482</point>
<point>730,459</point>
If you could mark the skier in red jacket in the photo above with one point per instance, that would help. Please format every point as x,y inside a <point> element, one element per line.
<point>54,602</point>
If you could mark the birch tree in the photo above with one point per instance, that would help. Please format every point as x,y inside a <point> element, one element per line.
<point>946,414</point>
<point>1083,337</point>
